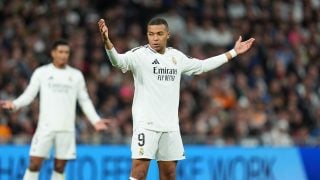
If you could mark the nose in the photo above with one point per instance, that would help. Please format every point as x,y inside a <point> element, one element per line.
<point>155,37</point>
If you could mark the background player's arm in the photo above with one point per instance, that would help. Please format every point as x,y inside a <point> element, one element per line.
<point>28,95</point>
<point>88,108</point>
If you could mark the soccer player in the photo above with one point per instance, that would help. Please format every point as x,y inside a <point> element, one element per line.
<point>157,70</point>
<point>59,86</point>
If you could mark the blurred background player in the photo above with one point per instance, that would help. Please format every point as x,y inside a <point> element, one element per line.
<point>157,71</point>
<point>59,87</point>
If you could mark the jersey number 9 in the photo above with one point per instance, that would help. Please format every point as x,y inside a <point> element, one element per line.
<point>141,139</point>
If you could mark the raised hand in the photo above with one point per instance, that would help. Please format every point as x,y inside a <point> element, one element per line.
<point>105,34</point>
<point>242,47</point>
<point>103,30</point>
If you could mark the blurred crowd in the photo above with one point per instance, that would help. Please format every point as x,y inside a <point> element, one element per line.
<point>268,96</point>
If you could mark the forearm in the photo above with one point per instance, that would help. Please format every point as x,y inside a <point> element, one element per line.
<point>216,61</point>
<point>27,97</point>
<point>113,56</point>
<point>23,100</point>
<point>107,44</point>
<point>88,109</point>
<point>231,54</point>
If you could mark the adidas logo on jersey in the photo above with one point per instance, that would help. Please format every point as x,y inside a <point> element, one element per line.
<point>155,61</point>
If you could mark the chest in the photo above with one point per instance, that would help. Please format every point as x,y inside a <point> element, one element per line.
<point>158,60</point>
<point>160,68</point>
<point>62,82</point>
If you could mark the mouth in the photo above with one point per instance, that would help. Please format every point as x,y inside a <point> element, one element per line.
<point>155,46</point>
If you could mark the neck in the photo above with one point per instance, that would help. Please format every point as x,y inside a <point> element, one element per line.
<point>161,51</point>
<point>59,66</point>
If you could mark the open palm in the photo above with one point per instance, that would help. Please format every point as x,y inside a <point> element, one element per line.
<point>242,47</point>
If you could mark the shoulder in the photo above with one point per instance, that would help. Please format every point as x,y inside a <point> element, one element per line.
<point>177,52</point>
<point>75,74</point>
<point>135,49</point>
<point>42,69</point>
<point>74,71</point>
<point>139,49</point>
<point>173,50</point>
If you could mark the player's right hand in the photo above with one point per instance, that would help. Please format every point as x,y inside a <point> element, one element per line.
<point>7,105</point>
<point>103,30</point>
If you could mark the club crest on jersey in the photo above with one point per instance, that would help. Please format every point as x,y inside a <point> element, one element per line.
<point>141,151</point>
<point>174,61</point>
<point>70,78</point>
<point>155,61</point>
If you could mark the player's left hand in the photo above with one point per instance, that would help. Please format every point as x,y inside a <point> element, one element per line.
<point>103,124</point>
<point>242,47</point>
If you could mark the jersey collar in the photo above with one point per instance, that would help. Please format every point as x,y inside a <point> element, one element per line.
<point>154,51</point>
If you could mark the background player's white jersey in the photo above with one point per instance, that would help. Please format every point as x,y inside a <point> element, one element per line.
<point>59,91</point>
<point>157,83</point>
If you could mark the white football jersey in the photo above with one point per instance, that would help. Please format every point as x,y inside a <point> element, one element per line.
<point>59,91</point>
<point>157,83</point>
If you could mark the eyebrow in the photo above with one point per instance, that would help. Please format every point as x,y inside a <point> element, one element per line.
<point>155,32</point>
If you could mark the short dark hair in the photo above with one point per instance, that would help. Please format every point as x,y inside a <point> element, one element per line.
<point>58,43</point>
<point>158,21</point>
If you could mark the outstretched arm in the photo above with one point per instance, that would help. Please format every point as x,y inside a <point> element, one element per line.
<point>27,96</point>
<point>194,66</point>
<point>239,48</point>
